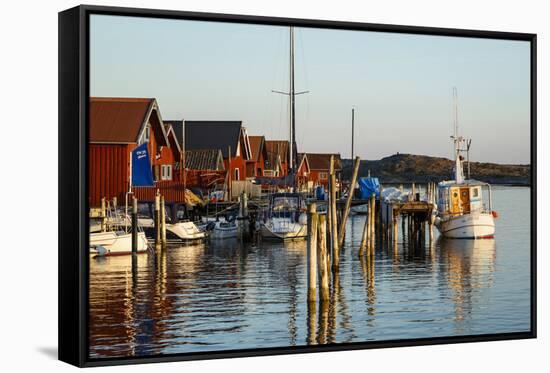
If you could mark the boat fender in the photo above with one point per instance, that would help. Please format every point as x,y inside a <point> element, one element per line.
<point>495,214</point>
<point>302,219</point>
<point>101,251</point>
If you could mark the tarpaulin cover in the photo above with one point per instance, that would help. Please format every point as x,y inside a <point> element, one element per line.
<point>142,176</point>
<point>320,192</point>
<point>368,186</point>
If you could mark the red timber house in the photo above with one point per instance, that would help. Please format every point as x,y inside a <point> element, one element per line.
<point>119,125</point>
<point>319,164</point>
<point>255,166</point>
<point>229,137</point>
<point>277,158</point>
<point>303,172</point>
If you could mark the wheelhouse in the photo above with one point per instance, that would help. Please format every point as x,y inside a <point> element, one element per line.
<point>465,198</point>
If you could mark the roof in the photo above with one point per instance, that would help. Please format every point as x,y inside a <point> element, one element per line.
<point>204,159</point>
<point>122,120</point>
<point>257,144</point>
<point>213,135</point>
<point>301,158</point>
<point>177,127</point>
<point>280,147</point>
<point>321,161</point>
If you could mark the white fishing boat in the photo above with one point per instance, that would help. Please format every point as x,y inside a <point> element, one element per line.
<point>286,218</point>
<point>464,206</point>
<point>115,243</point>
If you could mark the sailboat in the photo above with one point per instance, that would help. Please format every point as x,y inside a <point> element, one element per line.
<point>462,210</point>
<point>286,218</point>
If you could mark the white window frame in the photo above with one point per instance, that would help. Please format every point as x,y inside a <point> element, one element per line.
<point>166,172</point>
<point>323,175</point>
<point>237,173</point>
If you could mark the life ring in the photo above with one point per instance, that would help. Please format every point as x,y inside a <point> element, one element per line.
<point>495,214</point>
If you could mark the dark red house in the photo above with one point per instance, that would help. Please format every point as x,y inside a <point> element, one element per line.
<point>228,136</point>
<point>255,166</point>
<point>278,157</point>
<point>117,126</point>
<point>319,164</point>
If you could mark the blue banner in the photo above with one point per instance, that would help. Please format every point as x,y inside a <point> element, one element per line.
<point>141,167</point>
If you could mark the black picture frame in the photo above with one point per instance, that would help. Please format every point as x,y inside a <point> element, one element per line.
<point>73,187</point>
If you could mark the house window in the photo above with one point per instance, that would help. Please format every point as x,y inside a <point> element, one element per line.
<point>146,135</point>
<point>166,172</point>
<point>323,175</point>
<point>237,174</point>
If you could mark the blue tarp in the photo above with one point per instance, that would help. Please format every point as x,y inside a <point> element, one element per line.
<point>368,186</point>
<point>320,193</point>
<point>141,167</point>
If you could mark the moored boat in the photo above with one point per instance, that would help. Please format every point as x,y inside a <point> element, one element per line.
<point>286,218</point>
<point>115,243</point>
<point>464,206</point>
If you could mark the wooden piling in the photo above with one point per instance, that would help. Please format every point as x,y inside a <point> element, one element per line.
<point>366,231</point>
<point>334,235</point>
<point>342,231</point>
<point>324,294</point>
<point>157,222</point>
<point>312,220</point>
<point>134,226</point>
<point>162,221</point>
<point>372,212</point>
<point>103,215</point>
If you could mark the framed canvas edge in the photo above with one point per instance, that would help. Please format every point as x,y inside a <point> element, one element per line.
<point>73,81</point>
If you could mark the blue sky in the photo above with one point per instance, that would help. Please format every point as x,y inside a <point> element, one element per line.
<point>400,85</point>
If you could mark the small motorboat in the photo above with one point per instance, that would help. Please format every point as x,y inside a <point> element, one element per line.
<point>185,231</point>
<point>224,230</point>
<point>115,243</point>
<point>286,218</point>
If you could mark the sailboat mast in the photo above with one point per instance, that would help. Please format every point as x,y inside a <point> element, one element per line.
<point>292,105</point>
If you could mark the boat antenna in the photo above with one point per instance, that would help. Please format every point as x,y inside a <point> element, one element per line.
<point>468,144</point>
<point>293,151</point>
<point>459,173</point>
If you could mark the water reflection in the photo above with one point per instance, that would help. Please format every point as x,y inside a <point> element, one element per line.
<point>225,295</point>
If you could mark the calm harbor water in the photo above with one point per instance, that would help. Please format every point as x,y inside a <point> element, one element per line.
<point>224,296</point>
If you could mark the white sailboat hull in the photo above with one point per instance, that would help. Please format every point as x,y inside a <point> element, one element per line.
<point>283,230</point>
<point>115,243</point>
<point>474,225</point>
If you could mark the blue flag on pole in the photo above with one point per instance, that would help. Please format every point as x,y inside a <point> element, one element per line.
<point>141,167</point>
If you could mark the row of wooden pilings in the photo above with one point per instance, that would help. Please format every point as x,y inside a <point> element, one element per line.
<point>326,237</point>
<point>159,219</point>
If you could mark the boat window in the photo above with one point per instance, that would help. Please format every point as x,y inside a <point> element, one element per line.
<point>475,192</point>
<point>285,203</point>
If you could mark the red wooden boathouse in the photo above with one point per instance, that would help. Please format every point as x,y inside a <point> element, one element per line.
<point>117,126</point>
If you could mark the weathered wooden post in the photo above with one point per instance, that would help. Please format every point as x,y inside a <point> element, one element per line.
<point>413,191</point>
<point>115,202</point>
<point>103,215</point>
<point>366,232</point>
<point>334,235</point>
<point>157,222</point>
<point>312,219</point>
<point>163,221</point>
<point>342,232</point>
<point>323,267</point>
<point>134,226</point>
<point>372,212</point>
